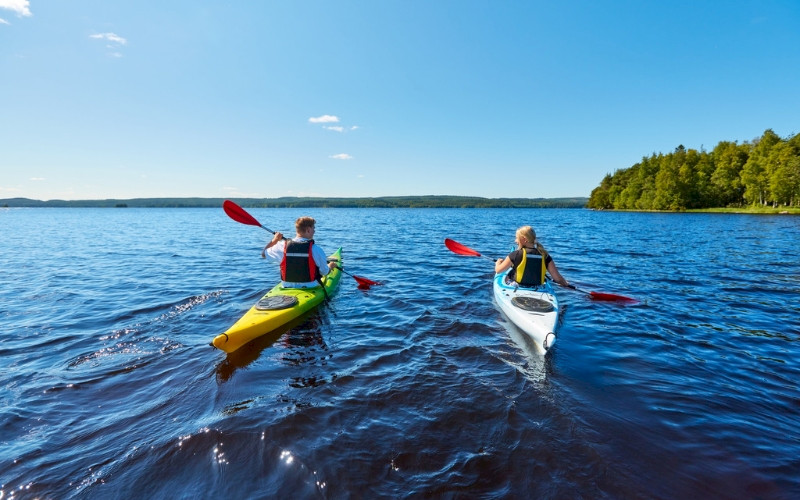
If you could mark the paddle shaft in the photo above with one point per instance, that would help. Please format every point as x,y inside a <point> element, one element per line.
<point>346,272</point>
<point>579,290</point>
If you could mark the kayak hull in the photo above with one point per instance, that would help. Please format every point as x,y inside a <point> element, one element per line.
<point>276,308</point>
<point>532,310</point>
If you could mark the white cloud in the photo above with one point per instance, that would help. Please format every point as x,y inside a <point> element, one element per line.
<point>324,119</point>
<point>3,21</point>
<point>37,178</point>
<point>341,156</point>
<point>21,7</point>
<point>111,37</point>
<point>339,128</point>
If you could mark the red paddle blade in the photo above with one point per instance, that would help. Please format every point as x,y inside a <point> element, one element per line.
<point>364,282</point>
<point>610,297</point>
<point>239,214</point>
<point>460,249</point>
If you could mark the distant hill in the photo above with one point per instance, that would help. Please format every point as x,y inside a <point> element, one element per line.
<point>294,202</point>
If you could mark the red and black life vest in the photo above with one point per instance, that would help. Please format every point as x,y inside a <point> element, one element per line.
<point>298,264</point>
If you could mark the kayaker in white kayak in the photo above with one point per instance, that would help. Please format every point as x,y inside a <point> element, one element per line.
<point>303,262</point>
<point>529,262</point>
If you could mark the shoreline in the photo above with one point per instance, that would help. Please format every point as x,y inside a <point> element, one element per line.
<point>434,201</point>
<point>717,210</point>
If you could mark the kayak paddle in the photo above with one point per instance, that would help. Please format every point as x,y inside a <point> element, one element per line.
<point>363,283</point>
<point>608,297</point>
<point>239,214</point>
<point>460,249</point>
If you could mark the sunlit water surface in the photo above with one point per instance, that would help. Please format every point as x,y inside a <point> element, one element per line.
<point>419,387</point>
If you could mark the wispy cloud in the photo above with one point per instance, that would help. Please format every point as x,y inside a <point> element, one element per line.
<point>341,156</point>
<point>324,119</point>
<point>3,21</point>
<point>21,7</point>
<point>37,178</point>
<point>340,129</point>
<point>113,42</point>
<point>111,37</point>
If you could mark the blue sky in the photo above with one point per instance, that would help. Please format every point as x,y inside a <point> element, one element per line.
<point>126,99</point>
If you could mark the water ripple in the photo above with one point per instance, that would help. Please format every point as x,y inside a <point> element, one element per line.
<point>416,388</point>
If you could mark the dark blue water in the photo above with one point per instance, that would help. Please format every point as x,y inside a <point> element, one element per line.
<point>419,387</point>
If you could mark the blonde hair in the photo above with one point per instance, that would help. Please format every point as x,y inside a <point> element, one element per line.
<point>303,222</point>
<point>529,234</point>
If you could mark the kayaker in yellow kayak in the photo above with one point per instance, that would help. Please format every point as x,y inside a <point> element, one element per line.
<point>529,262</point>
<point>303,262</point>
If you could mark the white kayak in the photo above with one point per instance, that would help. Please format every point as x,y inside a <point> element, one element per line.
<point>532,310</point>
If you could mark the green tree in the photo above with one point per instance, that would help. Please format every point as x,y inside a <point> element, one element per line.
<point>694,180</point>
<point>675,179</point>
<point>668,182</point>
<point>706,191</point>
<point>765,171</point>
<point>729,159</point>
<point>599,197</point>
<point>755,173</point>
<point>632,191</point>
<point>784,178</point>
<point>647,175</point>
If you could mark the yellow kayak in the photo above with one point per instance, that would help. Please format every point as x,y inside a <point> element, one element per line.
<point>278,307</point>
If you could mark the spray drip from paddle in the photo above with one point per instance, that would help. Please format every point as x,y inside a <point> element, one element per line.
<point>460,249</point>
<point>240,215</point>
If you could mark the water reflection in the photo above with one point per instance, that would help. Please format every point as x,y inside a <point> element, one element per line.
<point>251,351</point>
<point>417,388</point>
<point>531,362</point>
<point>306,347</point>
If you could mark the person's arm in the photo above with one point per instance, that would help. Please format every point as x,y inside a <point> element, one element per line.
<point>553,270</point>
<point>275,239</point>
<point>321,260</point>
<point>501,265</point>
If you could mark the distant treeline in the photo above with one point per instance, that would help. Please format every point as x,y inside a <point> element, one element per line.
<point>294,202</point>
<point>763,172</point>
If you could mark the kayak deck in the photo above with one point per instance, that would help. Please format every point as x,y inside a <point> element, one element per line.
<point>532,310</point>
<point>276,308</point>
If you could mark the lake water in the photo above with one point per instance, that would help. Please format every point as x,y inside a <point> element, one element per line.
<point>417,388</point>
